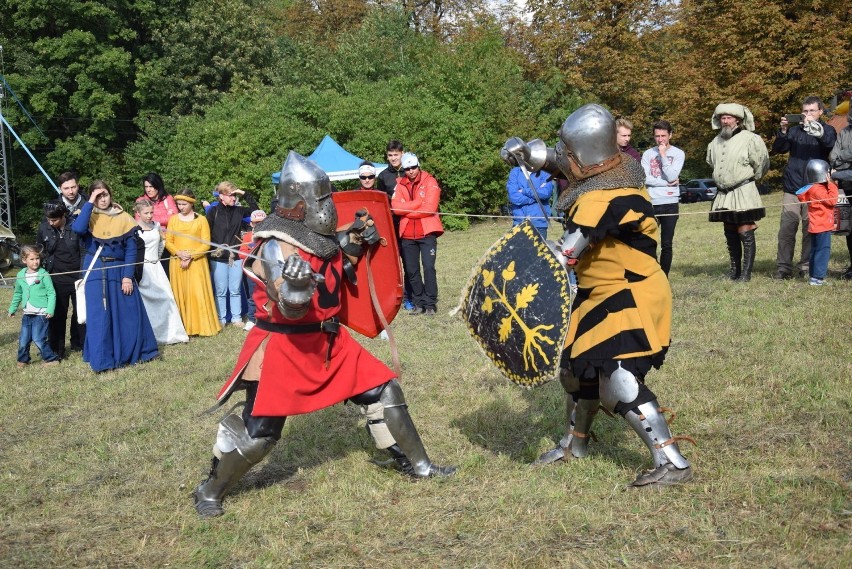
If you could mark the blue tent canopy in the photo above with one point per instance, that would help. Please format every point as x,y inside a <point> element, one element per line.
<point>335,161</point>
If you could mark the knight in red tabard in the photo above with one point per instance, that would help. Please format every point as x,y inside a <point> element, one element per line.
<point>298,358</point>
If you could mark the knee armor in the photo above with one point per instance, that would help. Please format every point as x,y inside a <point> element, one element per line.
<point>621,391</point>
<point>235,452</point>
<point>233,435</point>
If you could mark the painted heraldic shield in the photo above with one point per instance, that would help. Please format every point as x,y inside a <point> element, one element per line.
<point>518,305</point>
<point>379,271</point>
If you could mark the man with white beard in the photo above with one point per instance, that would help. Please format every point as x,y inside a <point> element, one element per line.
<point>738,157</point>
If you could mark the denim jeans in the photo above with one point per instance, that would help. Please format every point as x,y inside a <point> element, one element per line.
<point>227,283</point>
<point>250,284</point>
<point>34,329</point>
<point>820,253</point>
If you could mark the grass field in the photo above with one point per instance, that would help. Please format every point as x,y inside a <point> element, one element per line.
<point>97,470</point>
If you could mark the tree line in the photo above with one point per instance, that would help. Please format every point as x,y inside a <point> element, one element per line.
<point>222,89</point>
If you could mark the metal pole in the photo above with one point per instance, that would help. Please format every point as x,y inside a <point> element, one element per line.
<point>5,193</point>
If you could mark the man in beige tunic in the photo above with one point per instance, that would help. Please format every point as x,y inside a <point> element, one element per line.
<point>739,158</point>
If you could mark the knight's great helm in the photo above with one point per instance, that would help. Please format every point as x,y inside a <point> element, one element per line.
<point>587,143</point>
<point>304,194</point>
<point>816,171</point>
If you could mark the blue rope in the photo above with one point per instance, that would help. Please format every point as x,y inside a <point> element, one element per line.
<point>20,104</point>
<point>30,154</point>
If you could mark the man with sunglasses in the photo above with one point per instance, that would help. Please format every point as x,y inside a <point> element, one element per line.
<point>415,201</point>
<point>367,176</point>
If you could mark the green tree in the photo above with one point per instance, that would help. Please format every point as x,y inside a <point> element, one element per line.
<point>767,55</point>
<point>72,64</point>
<point>221,46</point>
<point>453,104</point>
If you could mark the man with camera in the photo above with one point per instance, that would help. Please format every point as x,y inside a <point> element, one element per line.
<point>805,137</point>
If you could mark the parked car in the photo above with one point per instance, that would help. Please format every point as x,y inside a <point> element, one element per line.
<point>698,190</point>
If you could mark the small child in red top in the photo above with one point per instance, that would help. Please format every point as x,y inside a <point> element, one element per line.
<point>246,246</point>
<point>821,196</point>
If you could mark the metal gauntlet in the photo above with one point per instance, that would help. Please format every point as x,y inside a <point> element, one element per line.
<point>297,287</point>
<point>534,155</point>
<point>362,231</point>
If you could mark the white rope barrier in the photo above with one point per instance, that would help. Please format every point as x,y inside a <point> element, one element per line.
<point>236,252</point>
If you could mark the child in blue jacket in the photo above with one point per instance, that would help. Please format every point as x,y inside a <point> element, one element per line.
<point>34,293</point>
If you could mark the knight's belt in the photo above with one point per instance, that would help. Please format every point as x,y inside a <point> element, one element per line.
<point>740,185</point>
<point>330,326</point>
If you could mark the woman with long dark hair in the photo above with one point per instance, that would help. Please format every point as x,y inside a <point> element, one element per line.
<point>154,190</point>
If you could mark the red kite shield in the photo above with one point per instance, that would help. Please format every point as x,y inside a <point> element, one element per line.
<point>379,269</point>
<point>517,305</point>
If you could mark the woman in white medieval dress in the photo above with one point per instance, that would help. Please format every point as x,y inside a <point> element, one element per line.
<point>154,287</point>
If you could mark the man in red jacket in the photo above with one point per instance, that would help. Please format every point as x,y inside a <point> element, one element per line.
<point>415,201</point>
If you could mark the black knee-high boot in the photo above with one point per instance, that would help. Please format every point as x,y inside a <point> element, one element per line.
<point>735,251</point>
<point>749,251</point>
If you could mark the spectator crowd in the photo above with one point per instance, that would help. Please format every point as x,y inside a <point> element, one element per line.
<point>816,178</point>
<point>167,273</point>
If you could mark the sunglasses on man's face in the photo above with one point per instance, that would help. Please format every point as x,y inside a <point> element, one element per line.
<point>367,177</point>
<point>410,168</point>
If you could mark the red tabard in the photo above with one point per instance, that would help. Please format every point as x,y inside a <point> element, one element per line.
<point>293,377</point>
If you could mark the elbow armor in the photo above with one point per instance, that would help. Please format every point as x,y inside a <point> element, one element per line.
<point>572,245</point>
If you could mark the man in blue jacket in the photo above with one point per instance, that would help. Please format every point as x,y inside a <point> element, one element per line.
<point>806,141</point>
<point>523,201</point>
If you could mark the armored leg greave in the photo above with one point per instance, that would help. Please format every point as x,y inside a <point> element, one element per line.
<point>670,467</point>
<point>749,251</point>
<point>392,429</point>
<point>735,251</point>
<point>579,415</point>
<point>575,442</point>
<point>235,453</point>
<point>622,393</point>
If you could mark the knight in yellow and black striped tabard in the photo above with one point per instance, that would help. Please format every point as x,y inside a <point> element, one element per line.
<point>622,310</point>
<point>621,320</point>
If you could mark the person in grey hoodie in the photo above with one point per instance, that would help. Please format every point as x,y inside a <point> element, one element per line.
<point>662,164</point>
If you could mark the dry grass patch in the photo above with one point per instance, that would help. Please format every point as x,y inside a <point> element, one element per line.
<point>96,470</point>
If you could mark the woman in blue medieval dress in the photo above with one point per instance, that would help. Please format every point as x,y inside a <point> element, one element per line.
<point>118,331</point>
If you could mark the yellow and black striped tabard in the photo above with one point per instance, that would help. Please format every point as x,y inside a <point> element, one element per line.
<point>623,308</point>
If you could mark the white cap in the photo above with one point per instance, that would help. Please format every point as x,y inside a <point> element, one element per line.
<point>366,170</point>
<point>409,159</point>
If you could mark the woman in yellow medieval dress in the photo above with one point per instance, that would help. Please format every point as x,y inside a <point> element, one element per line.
<point>187,241</point>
